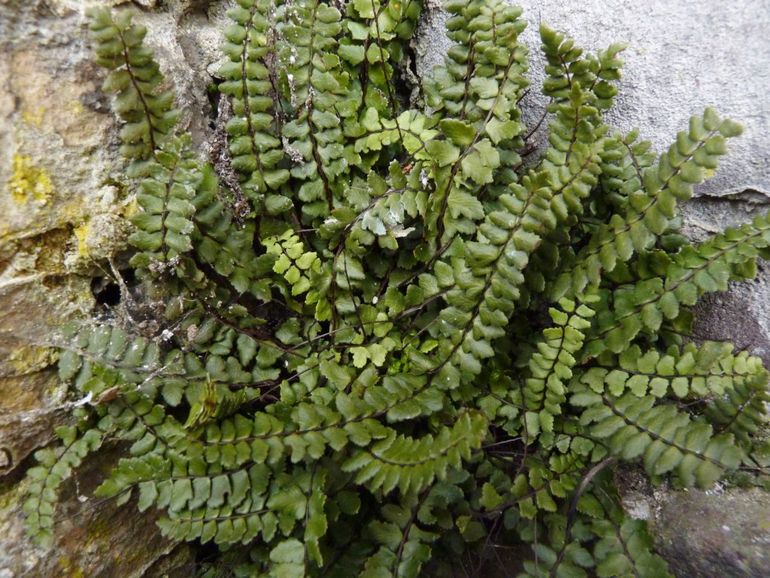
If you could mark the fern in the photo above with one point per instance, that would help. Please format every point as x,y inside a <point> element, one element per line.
<point>389,340</point>
<point>135,79</point>
<point>54,468</point>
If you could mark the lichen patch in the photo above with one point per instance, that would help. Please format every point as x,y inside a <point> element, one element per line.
<point>29,182</point>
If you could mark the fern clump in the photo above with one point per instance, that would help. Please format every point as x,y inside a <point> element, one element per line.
<point>388,338</point>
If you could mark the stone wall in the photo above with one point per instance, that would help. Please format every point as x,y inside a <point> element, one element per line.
<point>63,207</point>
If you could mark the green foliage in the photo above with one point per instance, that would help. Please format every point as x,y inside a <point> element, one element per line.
<point>353,371</point>
<point>54,466</point>
<point>135,79</point>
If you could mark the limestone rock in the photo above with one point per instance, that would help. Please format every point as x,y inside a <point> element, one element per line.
<point>683,55</point>
<point>705,534</point>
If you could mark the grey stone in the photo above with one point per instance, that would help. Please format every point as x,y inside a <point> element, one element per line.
<point>683,55</point>
<point>702,534</point>
<point>741,315</point>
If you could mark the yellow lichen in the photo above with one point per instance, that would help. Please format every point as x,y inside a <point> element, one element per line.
<point>29,359</point>
<point>29,181</point>
<point>69,568</point>
<point>75,107</point>
<point>34,117</point>
<point>81,234</point>
<point>131,208</point>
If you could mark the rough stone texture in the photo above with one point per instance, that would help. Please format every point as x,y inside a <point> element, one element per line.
<point>705,534</point>
<point>683,55</point>
<point>63,203</point>
<point>719,532</point>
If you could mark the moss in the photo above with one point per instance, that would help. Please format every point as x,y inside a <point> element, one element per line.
<point>29,181</point>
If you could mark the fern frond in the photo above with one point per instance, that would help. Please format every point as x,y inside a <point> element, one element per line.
<point>297,266</point>
<point>653,206</point>
<point>742,410</point>
<point>135,79</point>
<point>219,243</point>
<point>54,467</point>
<point>568,67</point>
<point>403,546</point>
<point>255,143</point>
<point>637,426</point>
<point>412,464</point>
<point>509,237</point>
<point>624,160</point>
<point>91,355</point>
<point>551,367</point>
<point>706,371</point>
<point>475,93</point>
<point>165,223</point>
<point>696,270</point>
<point>321,96</point>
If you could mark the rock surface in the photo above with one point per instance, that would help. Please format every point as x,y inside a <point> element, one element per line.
<point>706,534</point>
<point>683,55</point>
<point>719,532</point>
<point>63,204</point>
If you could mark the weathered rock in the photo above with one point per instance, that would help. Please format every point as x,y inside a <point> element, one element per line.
<point>682,56</point>
<point>63,202</point>
<point>704,534</point>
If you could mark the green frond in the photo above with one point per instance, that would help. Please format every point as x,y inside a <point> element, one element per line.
<point>624,160</point>
<point>742,410</point>
<point>219,242</point>
<point>54,467</point>
<point>96,359</point>
<point>664,438</point>
<point>254,138</point>
<point>507,238</point>
<point>164,224</point>
<point>551,366</point>
<point>135,79</point>
<point>691,273</point>
<point>376,336</point>
<point>652,207</point>
<point>403,546</point>
<point>568,68</point>
<point>706,371</point>
<point>412,464</point>
<point>298,267</point>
